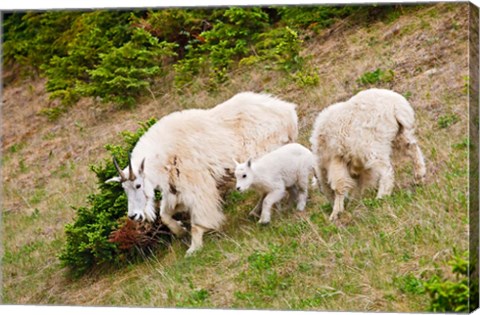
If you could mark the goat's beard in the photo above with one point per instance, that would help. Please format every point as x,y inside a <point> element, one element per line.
<point>150,213</point>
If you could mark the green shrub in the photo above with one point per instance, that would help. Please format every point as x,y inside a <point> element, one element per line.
<point>31,39</point>
<point>314,17</point>
<point>282,47</point>
<point>90,35</point>
<point>239,37</point>
<point>124,73</point>
<point>229,40</point>
<point>453,296</point>
<point>180,26</point>
<point>409,284</point>
<point>116,55</point>
<point>87,238</point>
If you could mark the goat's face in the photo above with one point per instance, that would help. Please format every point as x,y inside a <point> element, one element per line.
<point>243,175</point>
<point>140,192</point>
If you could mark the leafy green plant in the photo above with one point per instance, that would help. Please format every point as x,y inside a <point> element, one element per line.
<point>115,56</point>
<point>240,37</point>
<point>281,46</point>
<point>90,35</point>
<point>453,296</point>
<point>180,26</point>
<point>447,120</point>
<point>230,39</point>
<point>314,17</point>
<point>377,76</point>
<point>124,73</point>
<point>31,39</point>
<point>87,238</point>
<point>306,77</point>
<point>409,284</point>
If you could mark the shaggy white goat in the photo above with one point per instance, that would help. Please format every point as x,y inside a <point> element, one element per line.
<point>188,156</point>
<point>353,142</point>
<point>284,169</point>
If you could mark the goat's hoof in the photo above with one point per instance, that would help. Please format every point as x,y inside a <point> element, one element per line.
<point>264,221</point>
<point>301,208</point>
<point>333,218</point>
<point>191,251</point>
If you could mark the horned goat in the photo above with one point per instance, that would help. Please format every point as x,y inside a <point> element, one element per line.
<point>188,156</point>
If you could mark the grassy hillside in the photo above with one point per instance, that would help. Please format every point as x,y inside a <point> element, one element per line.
<point>375,259</point>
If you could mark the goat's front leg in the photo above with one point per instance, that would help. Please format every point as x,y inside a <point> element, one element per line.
<point>258,207</point>
<point>166,212</point>
<point>338,206</point>
<point>197,239</point>
<point>271,198</point>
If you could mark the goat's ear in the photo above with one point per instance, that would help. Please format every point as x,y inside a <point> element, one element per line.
<point>142,167</point>
<point>249,162</point>
<point>235,161</point>
<point>117,179</point>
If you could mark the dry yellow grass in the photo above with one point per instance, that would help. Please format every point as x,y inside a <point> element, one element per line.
<point>45,171</point>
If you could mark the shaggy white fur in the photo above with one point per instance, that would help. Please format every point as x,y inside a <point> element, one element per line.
<point>353,142</point>
<point>284,169</point>
<point>188,156</point>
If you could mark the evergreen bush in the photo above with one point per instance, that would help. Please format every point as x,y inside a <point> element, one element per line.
<point>115,56</point>
<point>460,295</point>
<point>92,34</point>
<point>88,238</point>
<point>126,72</point>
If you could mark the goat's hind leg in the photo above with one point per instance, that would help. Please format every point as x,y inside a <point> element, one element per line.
<point>302,192</point>
<point>386,181</point>
<point>415,153</point>
<point>292,195</point>
<point>341,182</point>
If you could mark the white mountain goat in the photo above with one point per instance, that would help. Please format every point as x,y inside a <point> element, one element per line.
<point>188,156</point>
<point>353,141</point>
<point>285,169</point>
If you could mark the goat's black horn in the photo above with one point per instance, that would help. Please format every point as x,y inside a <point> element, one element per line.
<point>119,170</point>
<point>131,176</point>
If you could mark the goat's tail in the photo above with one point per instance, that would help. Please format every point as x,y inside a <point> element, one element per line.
<point>404,115</point>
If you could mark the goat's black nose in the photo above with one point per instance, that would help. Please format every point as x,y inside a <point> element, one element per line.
<point>238,188</point>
